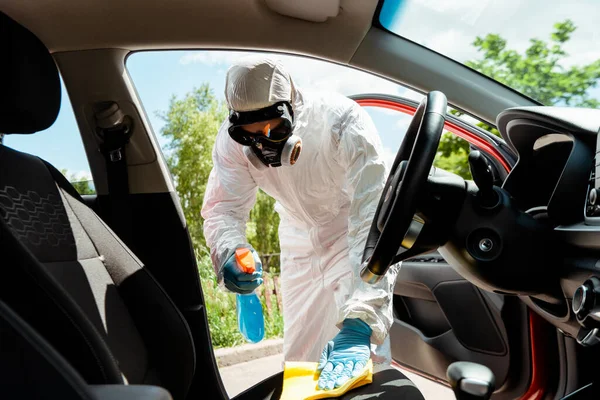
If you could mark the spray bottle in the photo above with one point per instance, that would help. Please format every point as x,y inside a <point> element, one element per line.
<point>251,322</point>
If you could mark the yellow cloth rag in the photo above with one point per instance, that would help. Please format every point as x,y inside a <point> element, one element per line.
<point>300,382</point>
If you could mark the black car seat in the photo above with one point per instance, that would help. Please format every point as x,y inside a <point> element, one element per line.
<point>71,278</point>
<point>31,369</point>
<point>63,269</point>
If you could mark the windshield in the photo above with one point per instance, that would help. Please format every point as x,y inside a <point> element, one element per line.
<point>545,49</point>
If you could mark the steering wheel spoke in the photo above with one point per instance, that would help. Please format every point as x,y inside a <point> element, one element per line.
<point>413,232</point>
<point>396,223</point>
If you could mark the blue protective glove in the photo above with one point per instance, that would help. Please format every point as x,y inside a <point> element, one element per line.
<point>346,355</point>
<point>236,280</point>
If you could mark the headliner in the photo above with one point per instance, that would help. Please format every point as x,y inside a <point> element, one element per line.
<point>68,25</point>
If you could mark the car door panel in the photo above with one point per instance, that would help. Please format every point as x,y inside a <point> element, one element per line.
<point>440,318</point>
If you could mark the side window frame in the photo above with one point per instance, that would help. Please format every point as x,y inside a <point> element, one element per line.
<point>494,148</point>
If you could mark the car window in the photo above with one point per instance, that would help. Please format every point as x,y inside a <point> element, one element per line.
<point>453,151</point>
<point>391,126</point>
<point>60,145</point>
<point>183,96</point>
<point>182,71</point>
<point>540,48</point>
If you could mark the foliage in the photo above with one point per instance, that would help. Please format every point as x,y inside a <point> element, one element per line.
<point>263,227</point>
<point>274,325</point>
<point>453,155</point>
<point>537,73</point>
<point>191,126</point>
<point>82,185</point>
<point>205,267</point>
<point>222,319</point>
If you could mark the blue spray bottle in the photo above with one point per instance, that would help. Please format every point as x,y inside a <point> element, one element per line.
<point>251,322</point>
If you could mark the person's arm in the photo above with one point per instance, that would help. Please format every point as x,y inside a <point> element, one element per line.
<point>360,153</point>
<point>229,197</point>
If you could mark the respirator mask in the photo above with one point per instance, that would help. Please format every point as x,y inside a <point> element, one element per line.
<point>273,146</point>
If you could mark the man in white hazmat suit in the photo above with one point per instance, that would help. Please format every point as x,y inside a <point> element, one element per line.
<point>319,155</point>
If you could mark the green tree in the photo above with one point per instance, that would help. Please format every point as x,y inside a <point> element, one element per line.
<point>82,185</point>
<point>453,155</point>
<point>263,227</point>
<point>538,73</point>
<point>191,126</point>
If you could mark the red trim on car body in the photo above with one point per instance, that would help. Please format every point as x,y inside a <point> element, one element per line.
<point>538,382</point>
<point>539,373</point>
<point>457,130</point>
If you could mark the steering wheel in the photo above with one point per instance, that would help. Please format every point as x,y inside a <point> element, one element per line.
<point>395,223</point>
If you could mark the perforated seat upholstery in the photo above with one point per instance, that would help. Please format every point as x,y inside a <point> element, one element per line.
<point>63,270</point>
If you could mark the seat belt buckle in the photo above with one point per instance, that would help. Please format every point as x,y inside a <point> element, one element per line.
<point>115,155</point>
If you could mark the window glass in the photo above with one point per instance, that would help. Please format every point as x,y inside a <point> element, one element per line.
<point>60,145</point>
<point>183,96</point>
<point>180,72</point>
<point>453,151</point>
<point>544,49</point>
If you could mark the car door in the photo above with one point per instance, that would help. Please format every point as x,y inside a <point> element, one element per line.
<point>439,317</point>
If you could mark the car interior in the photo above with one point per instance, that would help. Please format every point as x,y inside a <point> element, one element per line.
<point>101,297</point>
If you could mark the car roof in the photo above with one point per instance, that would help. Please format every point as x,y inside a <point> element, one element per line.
<point>348,38</point>
<point>68,25</point>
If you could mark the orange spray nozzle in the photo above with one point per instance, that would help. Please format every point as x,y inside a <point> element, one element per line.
<point>245,260</point>
<point>267,130</point>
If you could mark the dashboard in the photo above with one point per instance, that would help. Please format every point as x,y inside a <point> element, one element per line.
<point>557,179</point>
<point>592,206</point>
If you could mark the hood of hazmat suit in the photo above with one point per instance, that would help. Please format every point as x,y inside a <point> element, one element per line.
<point>326,202</point>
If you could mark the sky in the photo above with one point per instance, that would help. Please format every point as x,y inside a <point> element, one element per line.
<point>160,75</point>
<point>449,27</point>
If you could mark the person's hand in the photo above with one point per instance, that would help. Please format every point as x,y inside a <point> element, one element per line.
<point>236,277</point>
<point>346,355</point>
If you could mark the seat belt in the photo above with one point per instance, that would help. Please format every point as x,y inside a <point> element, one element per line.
<point>115,129</point>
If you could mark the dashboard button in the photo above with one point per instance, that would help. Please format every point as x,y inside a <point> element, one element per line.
<point>588,337</point>
<point>585,303</point>
<point>581,299</point>
<point>593,196</point>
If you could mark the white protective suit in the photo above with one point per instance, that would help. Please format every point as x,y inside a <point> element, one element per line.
<point>326,202</point>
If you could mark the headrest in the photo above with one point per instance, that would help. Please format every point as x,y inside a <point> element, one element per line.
<point>29,81</point>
